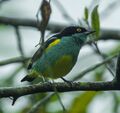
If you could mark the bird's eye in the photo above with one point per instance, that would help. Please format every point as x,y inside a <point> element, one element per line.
<point>78,30</point>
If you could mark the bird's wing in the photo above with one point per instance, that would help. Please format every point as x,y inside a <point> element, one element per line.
<point>37,54</point>
<point>40,51</point>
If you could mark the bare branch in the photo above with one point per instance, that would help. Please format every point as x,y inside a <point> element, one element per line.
<point>63,11</point>
<point>18,22</point>
<point>54,27</point>
<point>94,67</point>
<point>19,43</point>
<point>60,86</point>
<point>97,50</point>
<point>106,34</point>
<point>117,78</point>
<point>13,60</point>
<point>110,9</point>
<point>40,103</point>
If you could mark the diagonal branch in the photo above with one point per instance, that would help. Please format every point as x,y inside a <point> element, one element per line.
<point>21,59</point>
<point>117,78</point>
<point>14,60</point>
<point>94,67</point>
<point>40,103</point>
<point>63,11</point>
<point>97,50</point>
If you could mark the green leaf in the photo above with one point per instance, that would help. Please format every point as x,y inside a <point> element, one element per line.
<point>95,22</point>
<point>81,102</point>
<point>86,14</point>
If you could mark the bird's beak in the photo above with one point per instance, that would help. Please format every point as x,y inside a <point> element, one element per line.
<point>89,32</point>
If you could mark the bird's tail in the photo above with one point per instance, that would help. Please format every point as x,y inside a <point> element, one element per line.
<point>27,78</point>
<point>33,74</point>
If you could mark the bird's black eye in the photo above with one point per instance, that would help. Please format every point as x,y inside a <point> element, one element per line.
<point>78,30</point>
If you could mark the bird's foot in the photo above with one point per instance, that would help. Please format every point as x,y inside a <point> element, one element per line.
<point>44,79</point>
<point>67,81</point>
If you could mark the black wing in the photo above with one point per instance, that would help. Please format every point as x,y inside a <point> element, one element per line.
<point>40,51</point>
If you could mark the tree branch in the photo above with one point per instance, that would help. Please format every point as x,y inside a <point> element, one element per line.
<point>37,106</point>
<point>21,59</point>
<point>18,22</point>
<point>91,68</point>
<point>60,87</point>
<point>55,27</point>
<point>19,41</point>
<point>63,11</point>
<point>13,60</point>
<point>117,78</point>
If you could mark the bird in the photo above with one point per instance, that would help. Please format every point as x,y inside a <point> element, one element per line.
<point>58,55</point>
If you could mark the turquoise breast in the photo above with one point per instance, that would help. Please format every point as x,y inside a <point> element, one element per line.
<point>58,60</point>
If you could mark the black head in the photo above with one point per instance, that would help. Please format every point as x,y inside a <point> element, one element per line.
<point>72,30</point>
<point>68,31</point>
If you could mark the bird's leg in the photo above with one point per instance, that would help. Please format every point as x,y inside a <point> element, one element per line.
<point>67,81</point>
<point>44,79</point>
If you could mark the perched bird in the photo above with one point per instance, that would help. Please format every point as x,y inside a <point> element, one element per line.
<point>58,55</point>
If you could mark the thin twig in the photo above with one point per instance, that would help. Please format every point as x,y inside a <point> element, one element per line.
<point>117,77</point>
<point>97,50</point>
<point>20,46</point>
<point>63,11</point>
<point>11,77</point>
<point>19,41</point>
<point>37,106</point>
<point>14,60</point>
<point>94,67</point>
<point>110,9</point>
<point>92,4</point>
<point>20,59</point>
<point>103,57</point>
<point>58,96</point>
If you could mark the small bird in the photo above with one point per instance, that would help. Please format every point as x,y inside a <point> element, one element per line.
<point>58,55</point>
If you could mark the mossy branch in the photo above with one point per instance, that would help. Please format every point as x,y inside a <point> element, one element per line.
<point>60,86</point>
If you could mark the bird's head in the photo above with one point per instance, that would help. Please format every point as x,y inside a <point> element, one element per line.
<point>76,31</point>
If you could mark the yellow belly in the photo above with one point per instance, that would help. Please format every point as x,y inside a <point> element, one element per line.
<point>60,68</point>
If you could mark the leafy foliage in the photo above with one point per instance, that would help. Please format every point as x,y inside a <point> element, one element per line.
<point>86,14</point>
<point>95,22</point>
<point>81,102</point>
